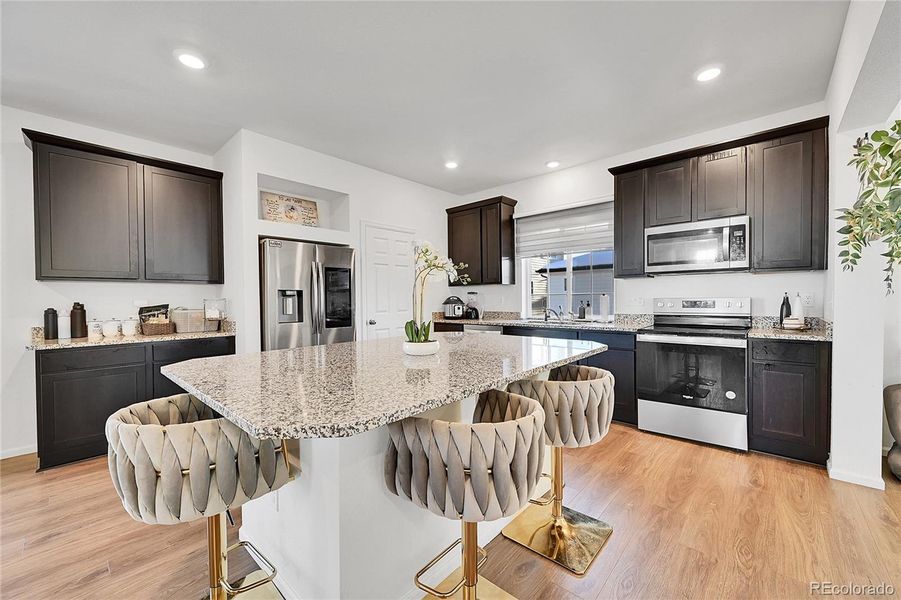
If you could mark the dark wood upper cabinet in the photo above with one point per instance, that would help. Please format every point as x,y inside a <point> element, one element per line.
<point>668,198</point>
<point>779,178</point>
<point>721,187</point>
<point>182,226</point>
<point>788,202</point>
<point>481,234</point>
<point>628,224</point>
<point>81,198</point>
<point>158,220</point>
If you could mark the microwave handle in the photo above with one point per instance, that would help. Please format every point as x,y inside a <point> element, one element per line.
<point>727,236</point>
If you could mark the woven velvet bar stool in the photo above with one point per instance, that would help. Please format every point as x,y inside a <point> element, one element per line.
<point>578,403</point>
<point>172,460</point>
<point>470,472</point>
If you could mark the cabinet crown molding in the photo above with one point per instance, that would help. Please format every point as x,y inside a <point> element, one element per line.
<point>803,126</point>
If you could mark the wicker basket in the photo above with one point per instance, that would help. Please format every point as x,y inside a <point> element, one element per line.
<point>158,328</point>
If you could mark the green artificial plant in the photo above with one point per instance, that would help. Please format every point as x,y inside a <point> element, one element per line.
<point>428,264</point>
<point>876,215</point>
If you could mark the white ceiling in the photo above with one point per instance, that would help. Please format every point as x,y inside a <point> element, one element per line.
<point>403,87</point>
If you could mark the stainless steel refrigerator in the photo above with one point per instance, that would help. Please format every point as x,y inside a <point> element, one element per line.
<point>307,294</point>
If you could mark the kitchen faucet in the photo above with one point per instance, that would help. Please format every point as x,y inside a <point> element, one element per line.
<point>558,314</point>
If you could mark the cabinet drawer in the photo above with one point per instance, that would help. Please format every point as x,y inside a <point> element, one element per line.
<point>614,341</point>
<point>800,352</point>
<point>56,361</point>
<point>185,350</point>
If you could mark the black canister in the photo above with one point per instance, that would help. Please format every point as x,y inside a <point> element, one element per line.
<point>79,321</point>
<point>51,324</point>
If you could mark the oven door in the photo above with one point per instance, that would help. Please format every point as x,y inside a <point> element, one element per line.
<point>693,388</point>
<point>702,372</point>
<point>714,245</point>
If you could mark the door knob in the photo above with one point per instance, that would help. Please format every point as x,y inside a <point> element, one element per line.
<point>372,321</point>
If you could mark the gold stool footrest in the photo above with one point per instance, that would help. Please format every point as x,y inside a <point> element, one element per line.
<point>261,560</point>
<point>483,556</point>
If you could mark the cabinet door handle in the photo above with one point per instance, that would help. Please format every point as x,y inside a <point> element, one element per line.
<point>372,321</point>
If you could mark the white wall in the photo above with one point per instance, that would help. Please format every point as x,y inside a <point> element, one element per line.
<point>592,182</point>
<point>24,299</point>
<point>374,197</point>
<point>863,331</point>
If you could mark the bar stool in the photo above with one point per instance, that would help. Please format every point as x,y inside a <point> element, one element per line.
<point>471,472</point>
<point>578,402</point>
<point>173,460</point>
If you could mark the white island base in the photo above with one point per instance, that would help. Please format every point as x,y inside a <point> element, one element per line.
<point>337,532</point>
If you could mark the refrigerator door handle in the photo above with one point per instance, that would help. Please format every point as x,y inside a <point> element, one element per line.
<point>314,298</point>
<point>321,291</point>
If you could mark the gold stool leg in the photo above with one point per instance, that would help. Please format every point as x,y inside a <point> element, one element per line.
<point>464,583</point>
<point>567,537</point>
<point>216,544</point>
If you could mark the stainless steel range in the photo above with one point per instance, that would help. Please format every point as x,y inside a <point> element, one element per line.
<point>691,370</point>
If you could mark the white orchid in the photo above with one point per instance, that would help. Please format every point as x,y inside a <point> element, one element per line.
<point>428,264</point>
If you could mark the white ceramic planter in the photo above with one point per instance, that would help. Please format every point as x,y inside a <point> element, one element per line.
<point>421,348</point>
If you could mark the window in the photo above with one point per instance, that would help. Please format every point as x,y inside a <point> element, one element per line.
<point>567,259</point>
<point>568,281</point>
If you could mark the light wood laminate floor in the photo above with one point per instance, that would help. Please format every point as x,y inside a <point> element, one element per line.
<point>690,521</point>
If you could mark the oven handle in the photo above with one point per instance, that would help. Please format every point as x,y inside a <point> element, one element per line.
<point>692,341</point>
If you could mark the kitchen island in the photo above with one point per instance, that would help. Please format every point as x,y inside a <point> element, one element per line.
<point>336,531</point>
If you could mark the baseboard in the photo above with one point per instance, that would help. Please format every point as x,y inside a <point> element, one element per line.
<point>10,452</point>
<point>872,482</point>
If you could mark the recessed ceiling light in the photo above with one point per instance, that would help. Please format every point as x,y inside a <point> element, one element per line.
<point>552,164</point>
<point>192,61</point>
<point>708,74</point>
<point>450,164</point>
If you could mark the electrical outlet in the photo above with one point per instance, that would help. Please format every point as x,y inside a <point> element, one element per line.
<point>807,299</point>
<point>638,301</point>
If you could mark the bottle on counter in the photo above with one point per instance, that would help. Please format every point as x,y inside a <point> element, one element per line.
<point>79,320</point>
<point>51,325</point>
<point>582,309</point>
<point>785,310</point>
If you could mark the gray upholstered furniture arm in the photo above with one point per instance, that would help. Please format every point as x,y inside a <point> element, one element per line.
<point>173,460</point>
<point>478,471</point>
<point>891,396</point>
<point>577,400</point>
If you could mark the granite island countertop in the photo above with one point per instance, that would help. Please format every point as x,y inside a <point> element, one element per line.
<point>821,334</point>
<point>340,390</point>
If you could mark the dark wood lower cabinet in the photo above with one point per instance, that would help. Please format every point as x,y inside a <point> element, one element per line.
<point>442,326</point>
<point>79,388</point>
<point>789,403</point>
<point>619,359</point>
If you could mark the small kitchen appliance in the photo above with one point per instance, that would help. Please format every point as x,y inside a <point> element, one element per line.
<point>691,370</point>
<point>454,308</point>
<point>712,245</point>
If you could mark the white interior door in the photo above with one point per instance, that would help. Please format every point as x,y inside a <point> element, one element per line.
<point>387,280</point>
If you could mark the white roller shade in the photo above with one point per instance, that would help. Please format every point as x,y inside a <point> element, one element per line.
<point>580,229</point>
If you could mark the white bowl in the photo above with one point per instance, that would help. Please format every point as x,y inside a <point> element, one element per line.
<point>421,348</point>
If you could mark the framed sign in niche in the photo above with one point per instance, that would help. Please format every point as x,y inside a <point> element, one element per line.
<point>289,209</point>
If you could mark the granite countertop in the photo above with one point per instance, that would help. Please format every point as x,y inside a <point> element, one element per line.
<point>628,323</point>
<point>818,330</point>
<point>344,389</point>
<point>809,335</point>
<point>39,343</point>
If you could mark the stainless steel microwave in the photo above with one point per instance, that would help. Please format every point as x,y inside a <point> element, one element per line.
<point>714,245</point>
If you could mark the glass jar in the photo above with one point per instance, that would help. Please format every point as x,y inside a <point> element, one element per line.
<point>472,301</point>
